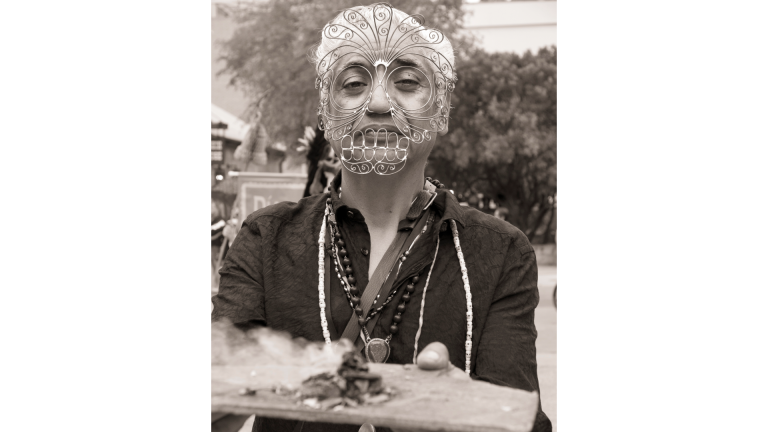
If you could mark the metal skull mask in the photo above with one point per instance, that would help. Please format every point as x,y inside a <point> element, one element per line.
<point>382,64</point>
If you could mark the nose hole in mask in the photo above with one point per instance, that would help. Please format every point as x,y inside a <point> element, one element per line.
<point>380,71</point>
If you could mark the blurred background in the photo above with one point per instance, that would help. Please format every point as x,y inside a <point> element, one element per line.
<point>499,156</point>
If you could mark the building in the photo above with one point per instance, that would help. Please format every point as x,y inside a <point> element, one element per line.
<point>512,26</point>
<point>227,132</point>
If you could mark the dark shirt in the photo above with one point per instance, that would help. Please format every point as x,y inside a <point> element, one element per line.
<point>269,277</point>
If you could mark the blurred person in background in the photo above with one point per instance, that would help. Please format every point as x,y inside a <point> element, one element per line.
<point>223,233</point>
<point>217,238</point>
<point>554,294</point>
<point>323,162</point>
<point>233,224</point>
<point>385,238</point>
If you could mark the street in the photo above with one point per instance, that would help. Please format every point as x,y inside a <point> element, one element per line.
<point>546,343</point>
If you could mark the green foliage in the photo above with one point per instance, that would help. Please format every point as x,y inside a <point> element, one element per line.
<point>268,55</point>
<point>502,139</point>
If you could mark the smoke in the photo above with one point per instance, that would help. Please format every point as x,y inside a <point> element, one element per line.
<point>263,347</point>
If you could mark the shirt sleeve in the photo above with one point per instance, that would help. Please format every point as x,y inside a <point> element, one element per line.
<point>241,291</point>
<point>506,353</point>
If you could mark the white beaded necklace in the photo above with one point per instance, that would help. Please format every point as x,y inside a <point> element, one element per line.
<point>464,278</point>
<point>321,278</point>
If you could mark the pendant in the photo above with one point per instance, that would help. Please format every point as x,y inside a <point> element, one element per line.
<point>377,350</point>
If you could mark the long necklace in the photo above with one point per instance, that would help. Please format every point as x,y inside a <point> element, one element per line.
<point>377,349</point>
<point>321,278</point>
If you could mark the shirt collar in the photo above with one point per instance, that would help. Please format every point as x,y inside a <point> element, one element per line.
<point>445,203</point>
<point>448,207</point>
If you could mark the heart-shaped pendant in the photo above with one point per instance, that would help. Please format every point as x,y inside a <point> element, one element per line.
<point>377,350</point>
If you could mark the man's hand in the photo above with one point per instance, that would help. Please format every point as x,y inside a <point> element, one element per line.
<point>435,357</point>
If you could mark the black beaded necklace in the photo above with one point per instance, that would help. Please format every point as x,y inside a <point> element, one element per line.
<point>345,273</point>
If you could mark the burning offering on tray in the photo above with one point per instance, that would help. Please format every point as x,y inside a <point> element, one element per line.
<point>270,374</point>
<point>351,385</point>
<point>312,374</point>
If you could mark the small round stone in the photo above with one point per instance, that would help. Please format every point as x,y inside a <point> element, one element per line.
<point>406,297</point>
<point>415,280</point>
<point>401,308</point>
<point>348,270</point>
<point>353,290</point>
<point>351,279</point>
<point>410,288</point>
<point>342,252</point>
<point>341,243</point>
<point>393,329</point>
<point>358,310</point>
<point>407,253</point>
<point>337,235</point>
<point>361,321</point>
<point>355,300</point>
<point>397,318</point>
<point>346,261</point>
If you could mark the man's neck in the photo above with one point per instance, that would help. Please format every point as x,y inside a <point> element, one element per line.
<point>383,200</point>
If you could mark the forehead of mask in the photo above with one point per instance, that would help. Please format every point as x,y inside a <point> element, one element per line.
<point>408,81</point>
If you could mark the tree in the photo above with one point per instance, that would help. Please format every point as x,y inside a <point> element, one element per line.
<point>502,139</point>
<point>268,55</point>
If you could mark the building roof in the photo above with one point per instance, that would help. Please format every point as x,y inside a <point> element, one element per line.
<point>236,129</point>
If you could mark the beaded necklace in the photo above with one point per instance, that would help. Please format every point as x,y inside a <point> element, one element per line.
<point>378,349</point>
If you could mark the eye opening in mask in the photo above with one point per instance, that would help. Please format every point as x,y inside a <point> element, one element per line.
<point>351,87</point>
<point>410,88</point>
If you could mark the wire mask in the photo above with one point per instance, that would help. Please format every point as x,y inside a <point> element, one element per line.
<point>417,87</point>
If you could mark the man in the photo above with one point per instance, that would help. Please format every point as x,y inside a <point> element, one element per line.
<point>387,259</point>
<point>217,229</point>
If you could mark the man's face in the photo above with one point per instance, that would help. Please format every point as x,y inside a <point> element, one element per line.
<point>383,104</point>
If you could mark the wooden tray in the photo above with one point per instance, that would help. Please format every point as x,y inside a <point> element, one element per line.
<point>424,400</point>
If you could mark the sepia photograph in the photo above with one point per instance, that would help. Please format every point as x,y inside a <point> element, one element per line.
<point>384,216</point>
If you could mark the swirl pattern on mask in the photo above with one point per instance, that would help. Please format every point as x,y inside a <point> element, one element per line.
<point>374,33</point>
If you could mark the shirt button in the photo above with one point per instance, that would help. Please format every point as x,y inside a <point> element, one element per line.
<point>364,251</point>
